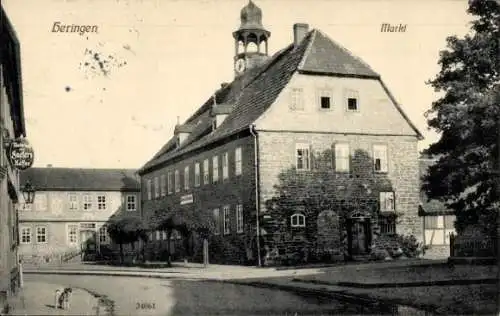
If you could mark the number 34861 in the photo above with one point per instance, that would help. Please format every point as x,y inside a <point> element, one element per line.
<point>145,305</point>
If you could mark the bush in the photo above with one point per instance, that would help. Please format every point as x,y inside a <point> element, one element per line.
<point>396,246</point>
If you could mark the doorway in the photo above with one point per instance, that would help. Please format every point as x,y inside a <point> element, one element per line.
<point>359,235</point>
<point>88,244</point>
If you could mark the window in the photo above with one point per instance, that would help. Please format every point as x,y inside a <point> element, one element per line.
<point>296,100</point>
<point>163,185</point>
<point>170,186</point>
<point>73,202</point>
<point>197,174</point>
<point>177,181</point>
<point>148,189</point>
<point>302,157</point>
<point>72,231</point>
<point>103,235</point>
<point>325,100</point>
<point>25,235</point>
<point>227,220</point>
<point>87,202</point>
<point>216,222</point>
<point>206,177</point>
<point>215,167</point>
<point>41,201</point>
<point>380,158</point>
<point>41,234</point>
<point>352,100</point>
<point>164,235</point>
<point>387,224</point>
<point>342,157</point>
<point>438,229</point>
<point>101,202</point>
<point>186,178</point>
<point>352,104</point>
<point>157,187</point>
<point>239,218</point>
<point>158,235</point>
<point>131,203</point>
<point>387,202</point>
<point>225,166</point>
<point>298,220</point>
<point>237,161</point>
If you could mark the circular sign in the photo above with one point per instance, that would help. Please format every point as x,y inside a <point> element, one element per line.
<point>21,154</point>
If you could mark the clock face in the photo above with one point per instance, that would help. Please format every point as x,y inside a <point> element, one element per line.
<point>239,66</point>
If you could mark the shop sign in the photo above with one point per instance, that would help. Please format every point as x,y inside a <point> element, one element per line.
<point>186,199</point>
<point>21,154</point>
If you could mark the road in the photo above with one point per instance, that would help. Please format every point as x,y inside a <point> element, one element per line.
<point>147,296</point>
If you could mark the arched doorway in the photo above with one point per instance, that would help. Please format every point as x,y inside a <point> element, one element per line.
<point>359,235</point>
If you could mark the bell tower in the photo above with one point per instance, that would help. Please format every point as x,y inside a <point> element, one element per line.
<point>250,39</point>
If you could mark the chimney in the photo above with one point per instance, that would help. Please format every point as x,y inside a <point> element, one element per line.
<point>299,32</point>
<point>49,166</point>
<point>223,85</point>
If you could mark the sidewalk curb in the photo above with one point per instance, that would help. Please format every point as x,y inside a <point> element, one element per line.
<point>100,273</point>
<point>361,285</point>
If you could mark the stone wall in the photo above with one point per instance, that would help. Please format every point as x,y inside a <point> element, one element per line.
<point>277,155</point>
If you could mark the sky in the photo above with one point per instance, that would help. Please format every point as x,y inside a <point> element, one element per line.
<point>111,99</point>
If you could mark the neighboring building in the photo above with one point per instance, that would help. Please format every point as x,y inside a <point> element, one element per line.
<point>438,220</point>
<point>12,126</point>
<point>278,113</point>
<point>71,208</point>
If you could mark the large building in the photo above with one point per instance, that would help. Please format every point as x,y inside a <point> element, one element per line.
<point>252,143</point>
<point>71,209</point>
<point>12,126</point>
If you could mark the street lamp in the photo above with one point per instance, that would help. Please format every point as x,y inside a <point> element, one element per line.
<point>28,192</point>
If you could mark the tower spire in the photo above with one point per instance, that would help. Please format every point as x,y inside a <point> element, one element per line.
<point>251,38</point>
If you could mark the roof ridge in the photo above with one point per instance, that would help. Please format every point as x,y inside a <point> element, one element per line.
<point>308,48</point>
<point>346,50</point>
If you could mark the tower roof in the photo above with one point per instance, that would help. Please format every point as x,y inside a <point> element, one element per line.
<point>251,18</point>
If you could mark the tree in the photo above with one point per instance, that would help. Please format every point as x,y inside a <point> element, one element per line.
<point>466,116</point>
<point>185,222</point>
<point>125,230</point>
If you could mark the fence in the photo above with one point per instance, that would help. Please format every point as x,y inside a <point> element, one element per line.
<point>473,246</point>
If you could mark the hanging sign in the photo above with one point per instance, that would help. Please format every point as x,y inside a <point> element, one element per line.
<point>21,154</point>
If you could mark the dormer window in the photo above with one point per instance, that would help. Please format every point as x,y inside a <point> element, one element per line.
<point>182,132</point>
<point>219,113</point>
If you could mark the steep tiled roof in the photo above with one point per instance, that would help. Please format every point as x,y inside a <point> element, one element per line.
<point>430,206</point>
<point>78,179</point>
<point>328,57</point>
<point>251,94</point>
